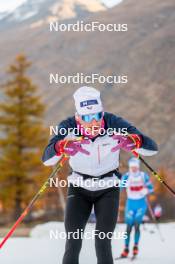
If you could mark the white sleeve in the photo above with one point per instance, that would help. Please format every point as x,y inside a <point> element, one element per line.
<point>146,152</point>
<point>52,161</point>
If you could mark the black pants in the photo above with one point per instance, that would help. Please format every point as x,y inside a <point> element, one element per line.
<point>78,209</point>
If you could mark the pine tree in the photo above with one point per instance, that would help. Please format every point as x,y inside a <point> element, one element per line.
<point>22,138</point>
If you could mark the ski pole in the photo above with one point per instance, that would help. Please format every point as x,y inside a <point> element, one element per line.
<point>37,195</point>
<point>154,173</point>
<point>155,221</point>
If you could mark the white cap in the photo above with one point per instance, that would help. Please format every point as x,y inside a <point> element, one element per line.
<point>134,162</point>
<point>87,101</point>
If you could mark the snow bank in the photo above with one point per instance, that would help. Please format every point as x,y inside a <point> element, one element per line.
<point>39,248</point>
<point>43,230</point>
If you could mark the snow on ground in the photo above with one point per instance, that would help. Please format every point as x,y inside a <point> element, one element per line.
<point>39,248</point>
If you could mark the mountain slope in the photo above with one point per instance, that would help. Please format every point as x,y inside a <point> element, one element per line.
<point>144,53</point>
<point>43,11</point>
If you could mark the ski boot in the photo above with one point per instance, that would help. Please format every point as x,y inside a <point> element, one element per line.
<point>125,253</point>
<point>135,250</point>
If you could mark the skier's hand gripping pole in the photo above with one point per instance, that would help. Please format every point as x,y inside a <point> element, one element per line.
<point>130,143</point>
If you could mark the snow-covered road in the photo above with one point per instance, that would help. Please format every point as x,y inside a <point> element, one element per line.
<point>41,249</point>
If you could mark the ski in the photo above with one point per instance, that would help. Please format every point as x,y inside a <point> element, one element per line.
<point>119,258</point>
<point>149,231</point>
<point>134,257</point>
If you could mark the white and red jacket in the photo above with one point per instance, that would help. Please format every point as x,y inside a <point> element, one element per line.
<point>101,160</point>
<point>136,184</point>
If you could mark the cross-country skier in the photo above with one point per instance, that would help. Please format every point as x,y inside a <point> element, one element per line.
<point>137,188</point>
<point>94,161</point>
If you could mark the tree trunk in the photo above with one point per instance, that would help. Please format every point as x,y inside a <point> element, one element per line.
<point>18,208</point>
